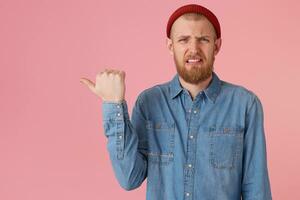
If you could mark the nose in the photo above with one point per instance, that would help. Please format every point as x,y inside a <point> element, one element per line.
<point>193,46</point>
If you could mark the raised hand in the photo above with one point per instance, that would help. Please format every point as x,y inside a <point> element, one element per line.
<point>110,85</point>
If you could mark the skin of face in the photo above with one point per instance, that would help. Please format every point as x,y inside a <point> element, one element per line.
<point>193,39</point>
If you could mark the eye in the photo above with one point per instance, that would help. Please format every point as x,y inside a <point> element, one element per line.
<point>182,40</point>
<point>204,39</point>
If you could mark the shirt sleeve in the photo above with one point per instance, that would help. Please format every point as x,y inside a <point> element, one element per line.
<point>255,183</point>
<point>125,149</point>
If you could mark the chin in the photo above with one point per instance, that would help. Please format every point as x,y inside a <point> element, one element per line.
<point>190,66</point>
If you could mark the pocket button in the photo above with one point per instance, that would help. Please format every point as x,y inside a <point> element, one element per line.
<point>158,125</point>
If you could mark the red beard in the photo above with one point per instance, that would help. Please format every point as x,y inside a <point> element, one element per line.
<point>196,73</point>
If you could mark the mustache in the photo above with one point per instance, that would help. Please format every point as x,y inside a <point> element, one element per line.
<point>196,56</point>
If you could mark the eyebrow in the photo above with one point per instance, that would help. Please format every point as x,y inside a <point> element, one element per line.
<point>187,36</point>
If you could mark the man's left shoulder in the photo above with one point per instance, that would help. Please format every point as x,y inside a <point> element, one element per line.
<point>238,91</point>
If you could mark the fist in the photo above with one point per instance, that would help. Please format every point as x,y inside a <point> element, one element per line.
<point>110,85</point>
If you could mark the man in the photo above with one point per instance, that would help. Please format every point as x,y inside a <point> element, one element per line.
<point>195,137</point>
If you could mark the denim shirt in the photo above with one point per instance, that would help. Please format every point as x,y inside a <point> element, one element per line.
<point>209,148</point>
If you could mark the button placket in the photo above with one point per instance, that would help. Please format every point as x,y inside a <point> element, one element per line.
<point>120,144</point>
<point>120,133</point>
<point>119,111</point>
<point>194,112</point>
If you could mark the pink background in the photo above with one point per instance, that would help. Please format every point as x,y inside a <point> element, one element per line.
<point>52,144</point>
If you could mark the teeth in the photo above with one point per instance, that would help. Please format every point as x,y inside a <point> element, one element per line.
<point>193,61</point>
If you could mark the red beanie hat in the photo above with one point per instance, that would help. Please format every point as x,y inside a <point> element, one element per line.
<point>194,8</point>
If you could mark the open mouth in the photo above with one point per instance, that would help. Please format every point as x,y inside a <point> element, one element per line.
<point>194,61</point>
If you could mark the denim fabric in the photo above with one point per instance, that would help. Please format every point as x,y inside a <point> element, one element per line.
<point>209,148</point>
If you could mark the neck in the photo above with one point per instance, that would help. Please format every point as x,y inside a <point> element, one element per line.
<point>194,89</point>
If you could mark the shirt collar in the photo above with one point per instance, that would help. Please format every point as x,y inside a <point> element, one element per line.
<point>211,91</point>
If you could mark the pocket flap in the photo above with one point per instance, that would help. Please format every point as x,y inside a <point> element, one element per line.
<point>226,129</point>
<point>159,125</point>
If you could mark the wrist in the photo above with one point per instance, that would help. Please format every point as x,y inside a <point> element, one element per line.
<point>114,101</point>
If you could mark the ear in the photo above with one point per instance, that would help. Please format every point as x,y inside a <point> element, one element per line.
<point>218,44</point>
<point>170,47</point>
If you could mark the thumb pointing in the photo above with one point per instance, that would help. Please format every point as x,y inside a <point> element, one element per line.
<point>89,84</point>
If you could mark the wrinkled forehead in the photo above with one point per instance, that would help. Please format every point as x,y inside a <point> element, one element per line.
<point>192,23</point>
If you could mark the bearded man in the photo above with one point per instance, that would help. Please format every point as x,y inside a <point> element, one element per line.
<point>194,137</point>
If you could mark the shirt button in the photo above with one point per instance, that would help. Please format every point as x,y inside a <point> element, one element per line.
<point>191,136</point>
<point>187,194</point>
<point>195,111</point>
<point>119,114</point>
<point>189,165</point>
<point>158,126</point>
<point>189,110</point>
<point>118,106</point>
<point>226,130</point>
<point>120,136</point>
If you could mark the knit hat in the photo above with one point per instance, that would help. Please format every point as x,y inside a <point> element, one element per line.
<point>194,8</point>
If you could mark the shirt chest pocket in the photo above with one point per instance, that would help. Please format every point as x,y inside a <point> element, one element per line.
<point>226,145</point>
<point>160,137</point>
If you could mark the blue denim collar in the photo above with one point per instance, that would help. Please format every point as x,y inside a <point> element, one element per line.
<point>211,91</point>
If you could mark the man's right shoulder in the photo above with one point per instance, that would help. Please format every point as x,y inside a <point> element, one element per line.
<point>154,93</point>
